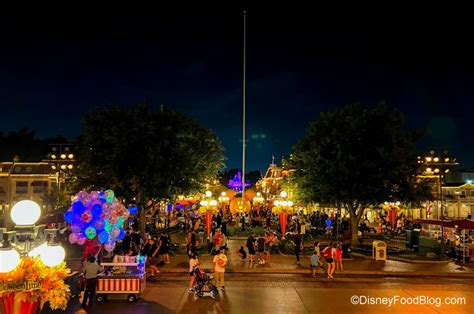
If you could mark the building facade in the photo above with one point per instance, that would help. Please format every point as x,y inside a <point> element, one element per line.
<point>26,180</point>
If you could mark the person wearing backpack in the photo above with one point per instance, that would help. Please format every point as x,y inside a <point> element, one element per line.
<point>219,261</point>
<point>328,254</point>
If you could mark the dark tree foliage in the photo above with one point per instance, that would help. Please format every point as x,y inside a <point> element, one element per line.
<point>357,156</point>
<point>144,154</point>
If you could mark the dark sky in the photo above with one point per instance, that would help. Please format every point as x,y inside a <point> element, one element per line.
<point>52,72</point>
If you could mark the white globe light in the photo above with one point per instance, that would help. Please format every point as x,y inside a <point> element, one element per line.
<point>9,259</point>
<point>223,194</point>
<point>213,203</point>
<point>53,255</point>
<point>277,203</point>
<point>38,250</point>
<point>208,193</point>
<point>25,213</point>
<point>284,203</point>
<point>203,203</point>
<point>290,203</point>
<point>283,194</point>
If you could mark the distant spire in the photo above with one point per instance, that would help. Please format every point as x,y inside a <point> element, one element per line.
<point>273,159</point>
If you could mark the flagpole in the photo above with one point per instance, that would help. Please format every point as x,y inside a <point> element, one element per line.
<point>243,107</point>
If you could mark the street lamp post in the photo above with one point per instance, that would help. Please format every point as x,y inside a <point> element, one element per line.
<point>437,167</point>
<point>62,161</point>
<point>28,239</point>
<point>286,207</point>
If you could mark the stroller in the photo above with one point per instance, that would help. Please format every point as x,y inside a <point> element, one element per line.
<point>204,286</point>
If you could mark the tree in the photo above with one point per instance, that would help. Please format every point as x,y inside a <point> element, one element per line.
<point>357,156</point>
<point>144,154</point>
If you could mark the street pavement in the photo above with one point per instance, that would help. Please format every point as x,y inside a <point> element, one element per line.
<point>285,264</point>
<point>295,293</point>
<point>357,266</point>
<point>281,286</point>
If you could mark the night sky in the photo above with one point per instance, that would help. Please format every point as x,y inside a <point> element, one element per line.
<point>53,72</point>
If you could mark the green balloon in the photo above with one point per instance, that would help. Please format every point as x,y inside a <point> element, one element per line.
<point>107,226</point>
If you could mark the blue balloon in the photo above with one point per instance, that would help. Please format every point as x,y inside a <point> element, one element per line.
<point>69,216</point>
<point>96,210</point>
<point>328,222</point>
<point>133,210</point>
<point>102,196</point>
<point>121,234</point>
<point>78,208</point>
<point>103,237</point>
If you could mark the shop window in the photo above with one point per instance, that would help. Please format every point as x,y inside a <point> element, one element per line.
<point>21,187</point>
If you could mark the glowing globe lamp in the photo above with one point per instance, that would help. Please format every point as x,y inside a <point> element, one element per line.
<point>9,259</point>
<point>38,250</point>
<point>25,213</point>
<point>53,255</point>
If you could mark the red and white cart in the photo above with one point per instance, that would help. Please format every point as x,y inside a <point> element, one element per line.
<point>132,283</point>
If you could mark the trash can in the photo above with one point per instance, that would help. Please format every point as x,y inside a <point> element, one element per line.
<point>379,250</point>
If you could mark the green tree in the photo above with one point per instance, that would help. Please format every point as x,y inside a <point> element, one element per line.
<point>357,156</point>
<point>145,154</point>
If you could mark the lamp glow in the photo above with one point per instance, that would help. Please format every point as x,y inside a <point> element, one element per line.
<point>283,194</point>
<point>203,203</point>
<point>213,203</point>
<point>38,250</point>
<point>277,203</point>
<point>208,193</point>
<point>25,213</point>
<point>53,255</point>
<point>223,194</point>
<point>290,203</point>
<point>9,259</point>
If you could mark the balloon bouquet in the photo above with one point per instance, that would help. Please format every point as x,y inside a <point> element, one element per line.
<point>96,216</point>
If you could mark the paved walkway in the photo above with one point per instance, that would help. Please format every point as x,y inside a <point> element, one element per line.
<point>286,264</point>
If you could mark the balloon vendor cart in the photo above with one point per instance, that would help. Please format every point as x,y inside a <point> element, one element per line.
<point>124,276</point>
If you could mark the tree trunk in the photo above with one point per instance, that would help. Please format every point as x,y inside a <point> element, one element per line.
<point>142,225</point>
<point>354,230</point>
<point>356,211</point>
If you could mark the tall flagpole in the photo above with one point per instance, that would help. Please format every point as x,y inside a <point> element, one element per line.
<point>243,108</point>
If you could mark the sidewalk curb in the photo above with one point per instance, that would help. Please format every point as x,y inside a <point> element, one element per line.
<point>345,273</point>
<point>405,260</point>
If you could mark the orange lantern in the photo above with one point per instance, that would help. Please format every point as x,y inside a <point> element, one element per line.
<point>230,194</point>
<point>236,205</point>
<point>249,195</point>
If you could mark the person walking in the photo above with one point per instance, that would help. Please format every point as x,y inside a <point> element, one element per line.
<point>314,264</point>
<point>150,250</point>
<point>268,245</point>
<point>163,249</point>
<point>251,248</point>
<point>317,250</point>
<point>219,261</point>
<point>91,270</point>
<point>297,246</point>
<point>338,256</point>
<point>328,253</point>
<point>261,249</point>
<point>193,262</point>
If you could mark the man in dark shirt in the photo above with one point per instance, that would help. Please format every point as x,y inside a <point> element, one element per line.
<point>136,241</point>
<point>150,250</point>
<point>126,243</point>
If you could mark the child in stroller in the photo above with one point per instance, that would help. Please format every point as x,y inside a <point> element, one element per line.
<point>204,285</point>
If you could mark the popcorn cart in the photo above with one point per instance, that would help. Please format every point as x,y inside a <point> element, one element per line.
<point>124,276</point>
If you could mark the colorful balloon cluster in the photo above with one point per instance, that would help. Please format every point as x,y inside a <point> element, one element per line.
<point>97,214</point>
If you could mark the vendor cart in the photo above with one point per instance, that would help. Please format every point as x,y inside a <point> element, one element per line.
<point>130,281</point>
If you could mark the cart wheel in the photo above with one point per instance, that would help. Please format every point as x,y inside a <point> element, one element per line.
<point>131,298</point>
<point>100,298</point>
